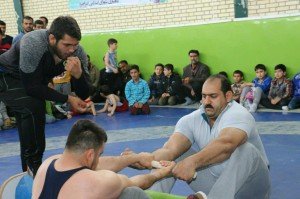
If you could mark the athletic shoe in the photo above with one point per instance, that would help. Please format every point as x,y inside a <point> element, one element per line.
<point>198,195</point>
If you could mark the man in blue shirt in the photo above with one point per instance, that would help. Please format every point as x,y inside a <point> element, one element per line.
<point>27,25</point>
<point>137,92</point>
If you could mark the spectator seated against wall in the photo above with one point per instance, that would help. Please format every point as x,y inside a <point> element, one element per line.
<point>255,90</point>
<point>295,101</point>
<point>124,75</point>
<point>194,75</point>
<point>172,87</point>
<point>137,93</point>
<point>93,72</point>
<point>236,87</point>
<point>281,90</point>
<point>112,80</point>
<point>156,84</point>
<point>113,103</point>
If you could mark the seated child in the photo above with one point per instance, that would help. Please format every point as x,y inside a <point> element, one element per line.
<point>137,92</point>
<point>110,58</point>
<point>295,101</point>
<point>238,77</point>
<point>113,102</point>
<point>280,91</point>
<point>252,92</point>
<point>155,84</point>
<point>172,85</point>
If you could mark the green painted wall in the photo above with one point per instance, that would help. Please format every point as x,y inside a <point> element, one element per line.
<point>223,46</point>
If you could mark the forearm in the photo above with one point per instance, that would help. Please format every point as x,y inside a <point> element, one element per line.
<point>164,154</point>
<point>116,163</point>
<point>215,152</point>
<point>144,181</point>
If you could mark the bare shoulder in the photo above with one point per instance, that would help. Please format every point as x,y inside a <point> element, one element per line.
<point>117,98</point>
<point>107,182</point>
<point>39,179</point>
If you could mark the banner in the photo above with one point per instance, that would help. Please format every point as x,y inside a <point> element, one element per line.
<point>84,4</point>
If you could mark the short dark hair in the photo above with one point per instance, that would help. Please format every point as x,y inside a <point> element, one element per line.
<point>194,51</point>
<point>135,67</point>
<point>223,73</point>
<point>27,18</point>
<point>38,21</point>
<point>65,25</point>
<point>260,66</point>
<point>85,134</point>
<point>2,23</point>
<point>105,90</point>
<point>225,84</point>
<point>123,62</point>
<point>111,41</point>
<point>169,67</point>
<point>238,72</point>
<point>43,17</point>
<point>281,67</point>
<point>159,64</point>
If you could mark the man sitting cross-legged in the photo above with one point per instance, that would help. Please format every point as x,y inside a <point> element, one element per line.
<point>227,160</point>
<point>80,173</point>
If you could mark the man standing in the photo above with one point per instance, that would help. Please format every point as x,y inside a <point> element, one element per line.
<point>6,42</point>
<point>27,25</point>
<point>25,71</point>
<point>38,24</point>
<point>227,155</point>
<point>80,173</point>
<point>194,75</point>
<point>45,20</point>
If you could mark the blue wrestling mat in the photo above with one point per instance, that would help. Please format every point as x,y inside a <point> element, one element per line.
<point>137,132</point>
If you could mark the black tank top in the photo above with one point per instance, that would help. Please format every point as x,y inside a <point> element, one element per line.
<point>55,180</point>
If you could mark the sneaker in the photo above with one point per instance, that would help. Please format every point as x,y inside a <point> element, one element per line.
<point>285,108</point>
<point>198,195</point>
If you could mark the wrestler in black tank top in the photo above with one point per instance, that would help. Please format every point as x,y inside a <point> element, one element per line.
<point>55,180</point>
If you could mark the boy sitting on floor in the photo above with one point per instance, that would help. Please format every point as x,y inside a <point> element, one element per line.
<point>137,92</point>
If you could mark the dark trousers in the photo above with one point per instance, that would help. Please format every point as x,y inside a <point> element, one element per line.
<point>197,87</point>
<point>267,103</point>
<point>30,117</point>
<point>139,111</point>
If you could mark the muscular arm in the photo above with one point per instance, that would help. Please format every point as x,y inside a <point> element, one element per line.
<point>173,148</point>
<point>116,183</point>
<point>216,151</point>
<point>117,163</point>
<point>221,148</point>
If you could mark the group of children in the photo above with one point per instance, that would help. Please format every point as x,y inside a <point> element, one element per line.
<point>278,93</point>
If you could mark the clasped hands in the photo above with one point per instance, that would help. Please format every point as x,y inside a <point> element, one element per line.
<point>183,170</point>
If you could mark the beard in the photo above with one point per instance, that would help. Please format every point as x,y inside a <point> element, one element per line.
<point>59,53</point>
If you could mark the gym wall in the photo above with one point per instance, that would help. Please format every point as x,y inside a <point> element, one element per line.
<point>164,32</point>
<point>225,46</point>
